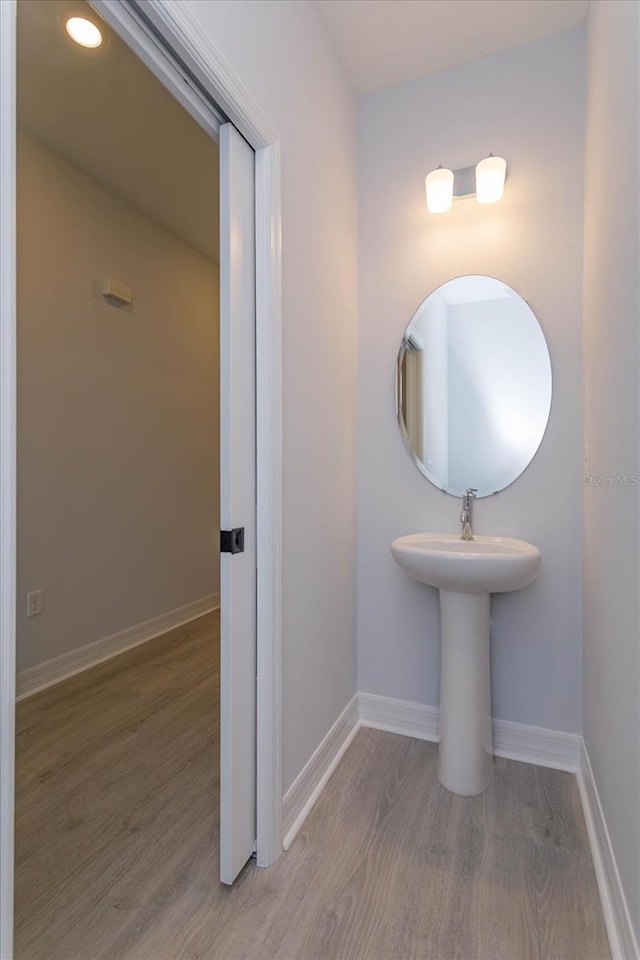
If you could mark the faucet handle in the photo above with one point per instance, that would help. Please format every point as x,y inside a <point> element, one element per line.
<point>471,491</point>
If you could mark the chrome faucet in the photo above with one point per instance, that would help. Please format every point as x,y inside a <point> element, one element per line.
<point>466,515</point>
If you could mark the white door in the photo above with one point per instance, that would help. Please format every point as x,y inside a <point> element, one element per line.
<point>238,504</point>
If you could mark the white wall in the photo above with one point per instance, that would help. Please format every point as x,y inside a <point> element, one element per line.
<point>526,104</point>
<point>118,413</point>
<point>611,360</point>
<point>283,55</point>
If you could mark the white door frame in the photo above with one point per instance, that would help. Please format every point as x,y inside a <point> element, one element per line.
<point>176,28</point>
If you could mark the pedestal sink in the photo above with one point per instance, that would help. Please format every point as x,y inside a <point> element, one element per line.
<point>466,572</point>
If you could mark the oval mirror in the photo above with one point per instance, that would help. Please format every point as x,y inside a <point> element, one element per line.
<point>473,386</point>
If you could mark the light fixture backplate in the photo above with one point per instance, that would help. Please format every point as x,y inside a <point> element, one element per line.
<point>464,183</point>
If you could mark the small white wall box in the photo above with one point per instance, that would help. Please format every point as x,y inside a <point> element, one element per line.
<point>116,293</point>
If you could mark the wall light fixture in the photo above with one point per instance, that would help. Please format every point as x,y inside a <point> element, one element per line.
<point>485,181</point>
<point>490,176</point>
<point>439,187</point>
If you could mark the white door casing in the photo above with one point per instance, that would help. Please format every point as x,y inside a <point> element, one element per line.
<point>237,503</point>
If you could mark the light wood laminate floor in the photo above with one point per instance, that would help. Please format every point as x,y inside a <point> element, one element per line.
<point>117,839</point>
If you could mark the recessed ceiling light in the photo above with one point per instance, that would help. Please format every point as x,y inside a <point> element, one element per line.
<point>83,32</point>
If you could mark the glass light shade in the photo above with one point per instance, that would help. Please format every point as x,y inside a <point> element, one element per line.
<point>490,176</point>
<point>83,32</point>
<point>439,187</point>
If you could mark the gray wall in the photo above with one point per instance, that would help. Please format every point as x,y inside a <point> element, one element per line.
<point>117,413</point>
<point>283,55</point>
<point>527,105</point>
<point>611,357</point>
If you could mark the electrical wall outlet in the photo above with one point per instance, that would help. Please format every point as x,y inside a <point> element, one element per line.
<point>34,603</point>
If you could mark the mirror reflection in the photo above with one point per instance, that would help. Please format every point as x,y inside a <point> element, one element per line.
<point>473,386</point>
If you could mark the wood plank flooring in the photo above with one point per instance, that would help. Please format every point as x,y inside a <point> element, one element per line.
<point>117,832</point>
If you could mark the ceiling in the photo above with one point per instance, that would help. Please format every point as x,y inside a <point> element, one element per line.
<point>386,42</point>
<point>105,112</point>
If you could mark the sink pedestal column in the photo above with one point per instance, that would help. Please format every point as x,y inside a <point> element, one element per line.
<point>466,742</point>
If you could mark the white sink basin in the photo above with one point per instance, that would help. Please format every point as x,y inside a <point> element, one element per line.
<point>481,565</point>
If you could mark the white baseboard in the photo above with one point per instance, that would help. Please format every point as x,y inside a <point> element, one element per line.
<point>622,940</point>
<point>399,716</point>
<point>544,748</point>
<point>44,675</point>
<point>304,791</point>
<point>513,741</point>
